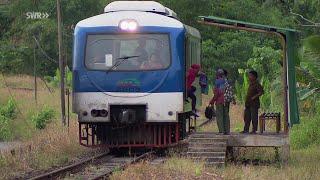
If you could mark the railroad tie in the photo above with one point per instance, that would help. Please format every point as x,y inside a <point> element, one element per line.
<point>208,147</point>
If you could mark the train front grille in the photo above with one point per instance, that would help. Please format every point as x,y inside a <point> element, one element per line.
<point>128,114</point>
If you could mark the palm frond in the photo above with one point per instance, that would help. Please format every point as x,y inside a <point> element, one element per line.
<point>306,93</point>
<point>311,56</point>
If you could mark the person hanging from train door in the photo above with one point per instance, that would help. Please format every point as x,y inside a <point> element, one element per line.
<point>252,103</point>
<point>191,76</point>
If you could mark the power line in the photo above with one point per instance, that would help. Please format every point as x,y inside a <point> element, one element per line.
<point>43,52</point>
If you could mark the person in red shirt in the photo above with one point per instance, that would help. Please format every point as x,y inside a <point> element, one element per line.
<point>222,109</point>
<point>223,96</point>
<point>191,76</point>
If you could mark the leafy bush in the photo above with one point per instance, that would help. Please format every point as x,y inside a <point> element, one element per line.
<point>306,134</point>
<point>7,113</point>
<point>42,118</point>
<point>5,130</point>
<point>267,62</point>
<point>9,109</point>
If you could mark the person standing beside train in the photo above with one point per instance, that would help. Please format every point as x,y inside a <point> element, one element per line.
<point>228,98</point>
<point>222,111</point>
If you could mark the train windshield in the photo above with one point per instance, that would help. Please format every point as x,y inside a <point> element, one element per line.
<point>103,51</point>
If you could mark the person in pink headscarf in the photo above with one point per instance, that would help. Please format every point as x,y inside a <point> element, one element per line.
<point>191,76</point>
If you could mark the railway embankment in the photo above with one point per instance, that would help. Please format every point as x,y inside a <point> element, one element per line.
<point>25,147</point>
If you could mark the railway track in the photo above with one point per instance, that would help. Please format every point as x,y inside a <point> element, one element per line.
<point>97,167</point>
<point>100,166</point>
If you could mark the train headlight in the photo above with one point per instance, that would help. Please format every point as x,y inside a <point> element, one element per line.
<point>128,25</point>
<point>132,25</point>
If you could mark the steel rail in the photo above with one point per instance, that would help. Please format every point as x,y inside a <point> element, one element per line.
<point>108,164</point>
<point>72,167</point>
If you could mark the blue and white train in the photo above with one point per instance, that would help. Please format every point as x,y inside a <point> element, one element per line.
<point>129,75</point>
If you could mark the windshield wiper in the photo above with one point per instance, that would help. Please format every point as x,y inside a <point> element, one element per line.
<point>122,59</point>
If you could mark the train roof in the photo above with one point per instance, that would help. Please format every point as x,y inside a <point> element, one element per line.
<point>112,19</point>
<point>143,6</point>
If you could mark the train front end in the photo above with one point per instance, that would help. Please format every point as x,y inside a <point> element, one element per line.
<point>128,77</point>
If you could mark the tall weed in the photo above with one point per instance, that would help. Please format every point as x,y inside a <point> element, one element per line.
<point>9,110</point>
<point>5,130</point>
<point>307,133</point>
<point>42,118</point>
<point>7,113</point>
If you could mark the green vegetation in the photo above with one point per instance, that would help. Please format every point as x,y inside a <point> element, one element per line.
<point>7,114</point>
<point>306,134</point>
<point>41,141</point>
<point>55,80</point>
<point>9,109</point>
<point>267,62</point>
<point>42,118</point>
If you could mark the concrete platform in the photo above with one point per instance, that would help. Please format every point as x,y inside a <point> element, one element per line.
<point>252,140</point>
<point>267,139</point>
<point>257,140</point>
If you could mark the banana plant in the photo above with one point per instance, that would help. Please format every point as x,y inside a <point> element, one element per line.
<point>311,60</point>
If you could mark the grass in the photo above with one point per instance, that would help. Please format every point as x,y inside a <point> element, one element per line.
<point>304,164</point>
<point>173,168</point>
<point>37,149</point>
<point>53,146</point>
<point>22,127</point>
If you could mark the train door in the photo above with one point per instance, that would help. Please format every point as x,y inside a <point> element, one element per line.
<point>192,56</point>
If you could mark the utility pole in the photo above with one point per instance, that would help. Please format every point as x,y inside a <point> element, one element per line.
<point>35,72</point>
<point>61,66</point>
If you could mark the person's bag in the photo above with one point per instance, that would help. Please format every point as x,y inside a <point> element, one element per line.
<point>209,112</point>
<point>228,93</point>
